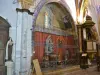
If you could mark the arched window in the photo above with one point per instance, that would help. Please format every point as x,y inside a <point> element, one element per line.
<point>46,20</point>
<point>48,17</point>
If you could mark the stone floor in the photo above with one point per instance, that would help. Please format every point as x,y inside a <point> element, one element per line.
<point>74,71</point>
<point>61,70</point>
<point>89,71</point>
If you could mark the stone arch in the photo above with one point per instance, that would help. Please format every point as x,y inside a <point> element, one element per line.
<point>35,16</point>
<point>44,2</point>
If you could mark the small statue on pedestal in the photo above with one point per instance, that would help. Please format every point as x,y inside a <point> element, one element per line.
<point>9,49</point>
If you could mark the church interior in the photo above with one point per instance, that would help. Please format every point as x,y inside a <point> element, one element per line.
<point>48,35</point>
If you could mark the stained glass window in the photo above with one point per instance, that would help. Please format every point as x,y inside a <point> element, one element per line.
<point>48,17</point>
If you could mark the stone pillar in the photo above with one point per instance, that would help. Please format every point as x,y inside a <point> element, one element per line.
<point>9,65</point>
<point>25,41</point>
<point>18,44</point>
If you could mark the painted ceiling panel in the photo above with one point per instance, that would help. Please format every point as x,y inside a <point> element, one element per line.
<point>60,12</point>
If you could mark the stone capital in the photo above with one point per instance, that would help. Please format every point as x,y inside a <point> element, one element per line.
<point>26,4</point>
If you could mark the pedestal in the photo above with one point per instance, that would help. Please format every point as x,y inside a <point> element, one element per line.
<point>9,65</point>
<point>2,70</point>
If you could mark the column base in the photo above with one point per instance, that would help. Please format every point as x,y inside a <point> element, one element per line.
<point>9,65</point>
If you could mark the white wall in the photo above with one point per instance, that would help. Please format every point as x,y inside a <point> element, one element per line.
<point>20,23</point>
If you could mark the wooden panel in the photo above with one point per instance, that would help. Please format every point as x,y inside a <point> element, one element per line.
<point>2,48</point>
<point>37,67</point>
<point>3,38</point>
<point>3,42</point>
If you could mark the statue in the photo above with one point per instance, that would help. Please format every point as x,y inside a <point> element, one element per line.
<point>49,45</point>
<point>9,49</point>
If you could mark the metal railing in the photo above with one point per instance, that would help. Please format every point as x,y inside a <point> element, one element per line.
<point>45,65</point>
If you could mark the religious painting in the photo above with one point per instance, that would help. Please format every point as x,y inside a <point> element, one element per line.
<point>59,43</point>
<point>66,21</point>
<point>49,45</point>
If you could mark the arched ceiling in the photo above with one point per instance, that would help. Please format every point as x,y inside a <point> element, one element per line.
<point>27,3</point>
<point>69,4</point>
<point>81,8</point>
<point>61,14</point>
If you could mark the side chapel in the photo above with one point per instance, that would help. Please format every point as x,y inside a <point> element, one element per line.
<point>54,33</point>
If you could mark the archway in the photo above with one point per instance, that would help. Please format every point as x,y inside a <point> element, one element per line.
<point>40,31</point>
<point>44,2</point>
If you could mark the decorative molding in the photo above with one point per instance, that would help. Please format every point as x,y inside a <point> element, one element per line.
<point>24,10</point>
<point>53,30</point>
